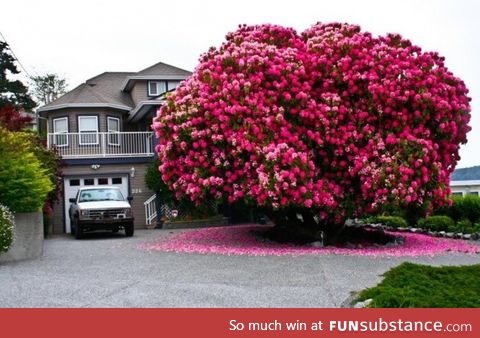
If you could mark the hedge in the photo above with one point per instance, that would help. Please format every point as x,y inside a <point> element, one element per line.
<point>437,223</point>
<point>467,207</point>
<point>392,221</point>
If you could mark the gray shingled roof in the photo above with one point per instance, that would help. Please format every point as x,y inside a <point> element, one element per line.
<point>162,69</point>
<point>102,89</point>
<point>109,88</point>
<point>466,174</point>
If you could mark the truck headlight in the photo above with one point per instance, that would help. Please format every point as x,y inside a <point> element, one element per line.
<point>127,212</point>
<point>84,213</point>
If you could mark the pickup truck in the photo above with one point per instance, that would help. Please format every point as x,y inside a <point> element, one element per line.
<point>100,208</point>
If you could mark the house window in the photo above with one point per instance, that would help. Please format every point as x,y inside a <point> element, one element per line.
<point>457,194</point>
<point>155,88</point>
<point>88,181</point>
<point>113,126</point>
<point>173,84</point>
<point>103,181</point>
<point>74,182</point>
<point>88,129</point>
<point>474,193</point>
<point>60,126</point>
<point>116,180</point>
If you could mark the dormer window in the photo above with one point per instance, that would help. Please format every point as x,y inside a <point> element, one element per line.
<point>156,88</point>
<point>172,85</point>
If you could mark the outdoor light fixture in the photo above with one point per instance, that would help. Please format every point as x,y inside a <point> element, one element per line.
<point>95,166</point>
<point>132,172</point>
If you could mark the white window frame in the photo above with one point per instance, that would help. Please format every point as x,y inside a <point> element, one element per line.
<point>90,132</point>
<point>57,134</point>
<point>158,91</point>
<point>112,133</point>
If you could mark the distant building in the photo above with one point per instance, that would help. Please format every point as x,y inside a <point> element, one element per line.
<point>32,125</point>
<point>466,181</point>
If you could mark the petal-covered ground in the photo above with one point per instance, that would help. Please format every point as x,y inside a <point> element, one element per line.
<point>241,240</point>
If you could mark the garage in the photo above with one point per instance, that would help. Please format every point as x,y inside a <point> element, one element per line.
<point>72,184</point>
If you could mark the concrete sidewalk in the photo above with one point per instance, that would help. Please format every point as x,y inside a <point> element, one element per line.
<point>111,271</point>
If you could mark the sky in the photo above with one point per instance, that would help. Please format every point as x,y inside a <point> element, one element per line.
<point>80,39</point>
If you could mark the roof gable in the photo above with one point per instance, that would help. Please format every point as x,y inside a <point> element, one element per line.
<point>162,69</point>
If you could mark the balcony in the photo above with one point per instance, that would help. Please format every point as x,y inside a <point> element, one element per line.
<point>102,145</point>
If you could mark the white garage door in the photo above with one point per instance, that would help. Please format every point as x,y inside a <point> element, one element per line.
<point>72,184</point>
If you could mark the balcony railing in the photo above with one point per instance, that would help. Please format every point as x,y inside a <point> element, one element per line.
<point>97,145</point>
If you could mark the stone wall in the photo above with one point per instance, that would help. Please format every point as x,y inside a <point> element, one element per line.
<point>28,242</point>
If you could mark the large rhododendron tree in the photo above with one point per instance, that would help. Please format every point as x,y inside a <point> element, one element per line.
<point>314,127</point>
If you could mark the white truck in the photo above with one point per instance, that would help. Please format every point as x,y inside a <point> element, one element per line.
<point>100,208</point>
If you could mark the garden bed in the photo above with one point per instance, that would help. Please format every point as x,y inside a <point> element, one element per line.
<point>245,240</point>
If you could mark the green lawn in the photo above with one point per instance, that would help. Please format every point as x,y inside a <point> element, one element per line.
<point>421,286</point>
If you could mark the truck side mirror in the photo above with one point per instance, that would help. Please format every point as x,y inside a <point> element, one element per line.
<point>129,198</point>
<point>72,200</point>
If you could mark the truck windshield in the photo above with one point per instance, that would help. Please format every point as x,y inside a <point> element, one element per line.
<point>105,194</point>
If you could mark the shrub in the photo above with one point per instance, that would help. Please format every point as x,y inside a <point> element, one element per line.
<point>6,228</point>
<point>421,286</point>
<point>467,207</point>
<point>464,225</point>
<point>392,221</point>
<point>153,181</point>
<point>436,223</point>
<point>50,161</point>
<point>24,183</point>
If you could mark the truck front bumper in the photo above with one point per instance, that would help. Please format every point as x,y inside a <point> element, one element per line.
<point>105,224</point>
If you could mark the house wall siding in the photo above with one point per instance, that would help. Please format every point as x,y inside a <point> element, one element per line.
<point>466,189</point>
<point>73,113</point>
<point>139,92</point>
<point>138,189</point>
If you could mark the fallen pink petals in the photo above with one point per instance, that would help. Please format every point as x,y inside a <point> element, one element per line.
<point>240,240</point>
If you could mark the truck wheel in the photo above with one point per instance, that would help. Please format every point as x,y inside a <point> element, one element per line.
<point>73,229</point>
<point>129,230</point>
<point>78,229</point>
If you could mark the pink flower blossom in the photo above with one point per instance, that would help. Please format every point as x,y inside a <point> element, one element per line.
<point>241,240</point>
<point>347,118</point>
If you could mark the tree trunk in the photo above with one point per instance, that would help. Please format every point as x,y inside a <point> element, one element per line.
<point>300,226</point>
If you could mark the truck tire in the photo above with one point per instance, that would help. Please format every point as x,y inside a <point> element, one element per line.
<point>78,229</point>
<point>129,230</point>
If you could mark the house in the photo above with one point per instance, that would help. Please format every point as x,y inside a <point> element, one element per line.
<point>465,181</point>
<point>101,129</point>
<point>33,124</point>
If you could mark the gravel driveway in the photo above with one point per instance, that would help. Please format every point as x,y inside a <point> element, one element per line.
<point>106,270</point>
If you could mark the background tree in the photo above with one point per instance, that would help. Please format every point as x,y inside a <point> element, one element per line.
<point>12,92</point>
<point>47,88</point>
<point>315,127</point>
<point>12,120</point>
